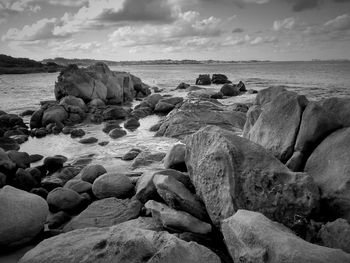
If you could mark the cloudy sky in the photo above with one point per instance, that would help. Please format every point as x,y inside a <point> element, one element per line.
<point>176,29</point>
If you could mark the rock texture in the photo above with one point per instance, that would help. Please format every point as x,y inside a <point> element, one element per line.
<point>251,237</point>
<point>231,173</point>
<point>336,234</point>
<point>112,185</point>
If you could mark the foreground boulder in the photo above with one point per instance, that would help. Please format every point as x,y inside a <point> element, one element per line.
<point>192,116</point>
<point>118,244</point>
<point>329,165</point>
<point>251,237</point>
<point>336,234</point>
<point>23,216</point>
<point>231,173</point>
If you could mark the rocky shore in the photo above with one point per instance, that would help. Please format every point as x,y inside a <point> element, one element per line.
<point>266,181</point>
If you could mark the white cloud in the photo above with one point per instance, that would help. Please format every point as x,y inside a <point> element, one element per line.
<point>288,23</point>
<point>341,22</point>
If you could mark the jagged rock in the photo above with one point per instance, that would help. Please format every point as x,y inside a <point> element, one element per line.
<point>152,100</point>
<point>336,234</point>
<point>231,173</point>
<point>147,223</point>
<point>251,237</point>
<point>22,217</point>
<point>145,188</point>
<point>178,221</point>
<point>241,86</point>
<point>203,79</point>
<point>146,158</point>
<point>118,244</point>
<point>175,157</point>
<point>106,212</point>
<point>329,166</point>
<point>253,114</point>
<point>112,185</point>
<point>192,116</point>
<point>173,100</point>
<point>181,177</point>
<point>164,107</point>
<point>114,113</point>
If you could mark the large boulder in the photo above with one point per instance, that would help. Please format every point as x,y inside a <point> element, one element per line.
<point>229,90</point>
<point>91,172</point>
<point>175,157</point>
<point>339,107</point>
<point>271,129</point>
<point>55,114</point>
<point>336,234</point>
<point>70,101</point>
<point>219,79</point>
<point>23,216</point>
<point>64,199</point>
<point>36,119</point>
<point>106,212</point>
<point>329,166</point>
<point>231,173</point>
<point>253,114</point>
<point>192,116</point>
<point>203,79</point>
<point>118,244</point>
<point>251,237</point>
<point>113,185</point>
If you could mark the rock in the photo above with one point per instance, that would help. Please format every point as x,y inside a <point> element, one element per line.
<point>97,103</point>
<point>131,155</point>
<point>117,133</point>
<point>67,130</point>
<point>5,162</point>
<point>153,100</point>
<point>219,79</point>
<point>8,144</point>
<point>175,158</point>
<point>141,112</point>
<point>173,100</point>
<point>177,196</point>
<point>39,133</point>
<point>58,219</point>
<point>24,180</point>
<point>104,143</point>
<point>131,124</point>
<point>241,87</point>
<point>76,133</point>
<point>192,116</point>
<point>118,244</point>
<point>183,178</point>
<point>27,113</point>
<point>146,158</point>
<point>203,79</point>
<point>329,166</point>
<point>114,113</point>
<point>145,188</point>
<point>63,199</point>
<point>3,180</point>
<point>251,237</point>
<point>54,114</point>
<point>72,101</point>
<point>23,216</point>
<point>106,212</point>
<point>79,186</point>
<point>113,185</point>
<point>147,223</point>
<point>336,234</point>
<point>21,159</point>
<point>108,126</point>
<point>178,221</point>
<point>163,107</point>
<point>157,90</point>
<point>35,158</point>
<point>231,173</point>
<point>229,90</point>
<point>252,91</point>
<point>253,114</point>
<point>54,163</point>
<point>40,192</point>
<point>20,138</point>
<point>265,96</point>
<point>89,140</point>
<point>183,85</point>
<point>91,172</point>
<point>270,129</point>
<point>339,107</point>
<point>217,95</point>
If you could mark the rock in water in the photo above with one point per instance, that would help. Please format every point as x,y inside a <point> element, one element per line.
<point>231,173</point>
<point>329,166</point>
<point>23,216</point>
<point>271,129</point>
<point>219,79</point>
<point>251,237</point>
<point>203,79</point>
<point>118,244</point>
<point>55,114</point>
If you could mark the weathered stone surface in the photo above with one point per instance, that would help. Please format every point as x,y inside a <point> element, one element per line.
<point>181,177</point>
<point>329,166</point>
<point>72,101</point>
<point>64,199</point>
<point>131,155</point>
<point>145,188</point>
<point>203,79</point>
<point>192,116</point>
<point>114,113</point>
<point>131,124</point>
<point>78,186</point>
<point>112,185</point>
<point>270,129</point>
<point>146,158</point>
<point>177,196</point>
<point>231,173</point>
<point>118,244</point>
<point>336,234</point>
<point>148,223</point>
<point>251,237</point>
<point>54,114</point>
<point>163,107</point>
<point>36,119</point>
<point>229,90</point>
<point>8,144</point>
<point>22,216</point>
<point>56,220</point>
<point>175,157</point>
<point>91,172</point>
<point>106,212</point>
<point>252,115</point>
<point>178,221</point>
<point>339,107</point>
<point>5,162</point>
<point>77,133</point>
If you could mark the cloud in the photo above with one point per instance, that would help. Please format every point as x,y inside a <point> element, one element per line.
<point>287,23</point>
<point>301,5</point>
<point>238,30</point>
<point>70,46</point>
<point>339,28</point>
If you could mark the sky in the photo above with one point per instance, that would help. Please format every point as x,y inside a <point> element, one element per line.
<point>176,29</point>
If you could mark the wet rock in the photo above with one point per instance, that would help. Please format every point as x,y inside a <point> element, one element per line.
<point>54,114</point>
<point>217,95</point>
<point>66,173</point>
<point>230,173</point>
<point>108,126</point>
<point>175,158</point>
<point>145,188</point>
<point>241,87</point>
<point>153,100</point>
<point>163,107</point>
<point>67,130</point>
<point>104,143</point>
<point>203,79</point>
<point>219,79</point>
<point>178,221</point>
<point>336,234</point>
<point>131,124</point>
<point>97,103</point>
<point>192,116</point>
<point>40,133</point>
<point>70,100</point>
<point>20,138</point>
<point>58,219</point>
<point>141,112</point>
<point>76,133</point>
<point>156,89</point>
<point>8,144</point>
<point>89,140</point>
<point>91,172</point>
<point>329,166</point>
<point>113,185</point>
<point>173,100</point>
<point>63,199</point>
<point>183,85</point>
<point>25,216</point>
<point>146,158</point>
<point>27,113</point>
<point>21,159</point>
<point>251,237</point>
<point>114,113</point>
<point>229,90</point>
<point>54,163</point>
<point>129,245</point>
<point>252,91</point>
<point>131,155</point>
<point>117,133</point>
<point>177,196</point>
<point>106,212</point>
